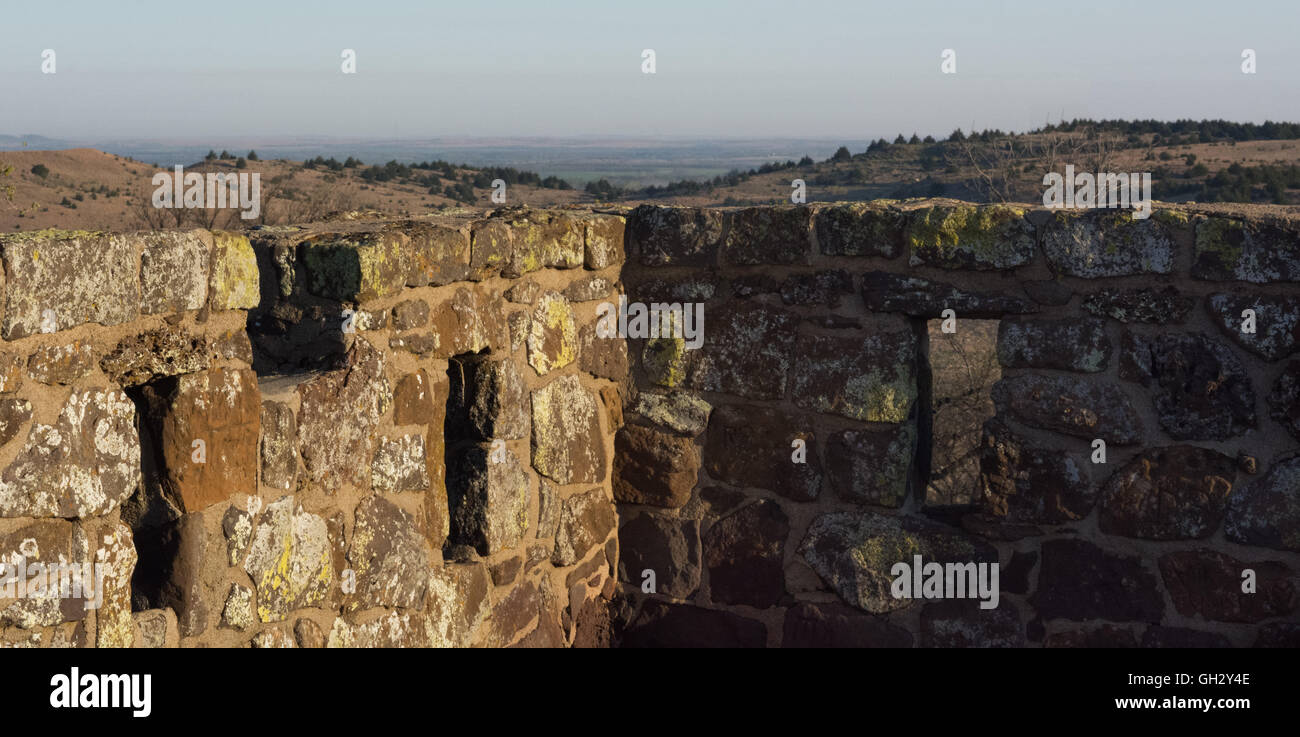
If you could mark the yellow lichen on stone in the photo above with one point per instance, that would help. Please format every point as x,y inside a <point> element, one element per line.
<point>665,361</point>
<point>234,282</point>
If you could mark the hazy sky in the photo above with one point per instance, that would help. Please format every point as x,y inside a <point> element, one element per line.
<point>554,67</point>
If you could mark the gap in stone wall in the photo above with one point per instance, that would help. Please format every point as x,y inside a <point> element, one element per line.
<point>466,455</point>
<point>153,511</point>
<point>963,367</point>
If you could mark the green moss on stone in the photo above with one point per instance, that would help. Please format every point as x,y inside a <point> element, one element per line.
<point>1221,239</point>
<point>987,233</point>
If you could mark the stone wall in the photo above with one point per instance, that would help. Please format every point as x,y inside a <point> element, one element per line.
<point>361,434</point>
<point>824,334</point>
<point>412,433</point>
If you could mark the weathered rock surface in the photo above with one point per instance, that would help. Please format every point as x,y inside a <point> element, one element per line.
<point>831,624</point>
<point>155,353</point>
<point>290,561</point>
<point>1200,388</point>
<point>918,297</point>
<point>400,464</point>
<point>677,236</point>
<point>871,466</point>
<point>388,556</point>
<point>654,467</point>
<point>1257,251</point>
<point>666,545</point>
<point>1267,511</point>
<point>859,229</point>
<point>1073,407</point>
<point>745,552</point>
<point>60,279</point>
<point>488,499</point>
<point>869,379</point>
<point>1162,306</point>
<point>1107,243</point>
<point>210,433</point>
<point>566,433</point>
<point>1175,493</point>
<point>748,351</point>
<point>1068,345</point>
<point>855,552</point>
<point>83,466</point>
<point>553,336</point>
<point>753,446</point>
<point>586,520</point>
<point>339,412</point>
<point>1023,483</point>
<point>1208,584</point>
<point>1277,323</point>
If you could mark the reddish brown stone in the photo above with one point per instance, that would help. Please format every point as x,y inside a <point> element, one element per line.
<point>605,358</point>
<point>1209,584</point>
<point>1079,581</point>
<point>1025,484</point>
<point>222,409</point>
<point>61,364</point>
<point>1175,493</point>
<point>832,624</point>
<point>745,554</point>
<point>669,546</point>
<point>661,624</point>
<point>754,446</point>
<point>654,467</point>
<point>514,614</point>
<point>413,400</point>
<point>591,625</point>
<point>388,556</point>
<point>410,314</point>
<point>14,414</point>
<point>438,255</point>
<point>467,323</point>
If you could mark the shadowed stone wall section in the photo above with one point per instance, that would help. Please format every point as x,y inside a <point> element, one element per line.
<point>1128,331</point>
